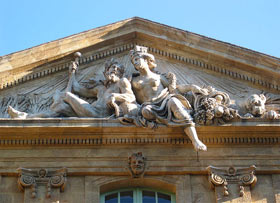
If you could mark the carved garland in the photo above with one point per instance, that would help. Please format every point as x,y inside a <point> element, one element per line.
<point>32,178</point>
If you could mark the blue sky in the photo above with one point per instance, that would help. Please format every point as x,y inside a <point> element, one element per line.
<point>254,24</point>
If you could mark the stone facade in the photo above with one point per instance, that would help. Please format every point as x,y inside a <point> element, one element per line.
<point>77,159</point>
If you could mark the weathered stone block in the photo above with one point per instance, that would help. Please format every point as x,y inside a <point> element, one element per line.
<point>201,191</point>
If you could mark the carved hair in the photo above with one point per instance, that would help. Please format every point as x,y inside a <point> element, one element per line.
<point>143,53</point>
<point>137,164</point>
<point>255,104</point>
<point>111,62</point>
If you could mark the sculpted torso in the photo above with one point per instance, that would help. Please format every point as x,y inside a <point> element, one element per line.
<point>147,88</point>
<point>104,94</point>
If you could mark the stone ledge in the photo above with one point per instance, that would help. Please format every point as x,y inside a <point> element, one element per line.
<point>92,132</point>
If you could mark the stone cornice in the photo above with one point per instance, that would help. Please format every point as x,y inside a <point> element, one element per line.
<point>97,132</point>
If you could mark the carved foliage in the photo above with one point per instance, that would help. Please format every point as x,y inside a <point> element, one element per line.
<point>222,177</point>
<point>136,165</point>
<point>50,178</point>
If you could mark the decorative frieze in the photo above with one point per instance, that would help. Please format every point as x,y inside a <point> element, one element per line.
<point>32,178</point>
<point>128,141</point>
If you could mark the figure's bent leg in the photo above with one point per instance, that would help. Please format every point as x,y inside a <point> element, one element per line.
<point>181,113</point>
<point>198,145</point>
<point>18,114</point>
<point>178,110</point>
<point>148,113</point>
<point>80,106</point>
<point>15,113</point>
<point>60,107</point>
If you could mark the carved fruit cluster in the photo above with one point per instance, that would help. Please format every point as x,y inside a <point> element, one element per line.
<point>211,112</point>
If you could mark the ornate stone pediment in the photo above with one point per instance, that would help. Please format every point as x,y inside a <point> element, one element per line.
<point>227,76</point>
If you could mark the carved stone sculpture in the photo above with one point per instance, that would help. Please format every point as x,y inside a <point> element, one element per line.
<point>50,178</point>
<point>213,107</point>
<point>255,105</point>
<point>242,177</point>
<point>136,165</point>
<point>114,96</point>
<point>147,98</point>
<point>158,99</point>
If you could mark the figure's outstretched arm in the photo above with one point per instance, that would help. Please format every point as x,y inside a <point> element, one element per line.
<point>169,80</point>
<point>73,85</point>
<point>83,91</point>
<point>184,88</point>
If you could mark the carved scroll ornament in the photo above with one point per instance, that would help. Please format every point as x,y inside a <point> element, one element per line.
<point>222,177</point>
<point>50,178</point>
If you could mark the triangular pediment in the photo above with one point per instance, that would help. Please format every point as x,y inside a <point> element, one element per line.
<point>222,58</point>
<point>38,72</point>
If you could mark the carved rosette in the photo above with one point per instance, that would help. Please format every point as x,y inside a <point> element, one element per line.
<point>50,178</point>
<point>222,177</point>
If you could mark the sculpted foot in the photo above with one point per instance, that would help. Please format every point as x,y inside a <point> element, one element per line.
<point>16,114</point>
<point>197,144</point>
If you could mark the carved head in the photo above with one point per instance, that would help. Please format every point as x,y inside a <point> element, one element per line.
<point>136,163</point>
<point>113,70</point>
<point>140,55</point>
<point>255,104</point>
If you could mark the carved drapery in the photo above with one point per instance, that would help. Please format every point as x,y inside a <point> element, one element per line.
<point>50,178</point>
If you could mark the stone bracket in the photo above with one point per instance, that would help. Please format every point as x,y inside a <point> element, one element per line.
<point>34,177</point>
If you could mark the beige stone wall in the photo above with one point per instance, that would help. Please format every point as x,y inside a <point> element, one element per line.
<point>9,191</point>
<point>188,188</point>
<point>171,165</point>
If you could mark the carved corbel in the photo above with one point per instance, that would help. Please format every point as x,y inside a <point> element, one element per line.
<point>137,165</point>
<point>50,178</point>
<point>239,177</point>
